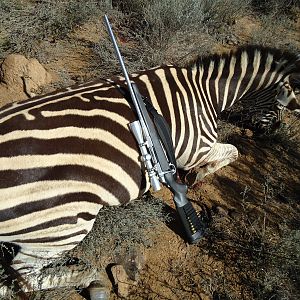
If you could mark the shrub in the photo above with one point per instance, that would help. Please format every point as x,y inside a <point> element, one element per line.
<point>159,20</point>
<point>27,25</point>
<point>123,227</point>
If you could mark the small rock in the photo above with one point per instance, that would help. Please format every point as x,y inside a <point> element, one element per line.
<point>122,280</point>
<point>20,78</point>
<point>132,261</point>
<point>98,291</point>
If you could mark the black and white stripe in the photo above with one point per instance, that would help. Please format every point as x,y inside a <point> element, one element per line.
<point>259,111</point>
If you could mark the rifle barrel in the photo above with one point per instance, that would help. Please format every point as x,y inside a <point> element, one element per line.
<point>121,61</point>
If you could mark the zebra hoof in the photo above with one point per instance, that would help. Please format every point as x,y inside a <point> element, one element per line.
<point>97,291</point>
<point>193,179</point>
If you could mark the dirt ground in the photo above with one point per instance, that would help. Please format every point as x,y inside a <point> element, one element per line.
<point>237,195</point>
<point>251,208</point>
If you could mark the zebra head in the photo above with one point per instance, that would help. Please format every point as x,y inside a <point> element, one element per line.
<point>262,110</point>
<point>268,120</point>
<point>285,96</point>
<point>289,88</point>
<point>288,91</point>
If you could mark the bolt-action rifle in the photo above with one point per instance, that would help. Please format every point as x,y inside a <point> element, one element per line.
<point>154,156</point>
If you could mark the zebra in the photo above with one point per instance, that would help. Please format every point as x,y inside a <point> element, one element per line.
<point>65,155</point>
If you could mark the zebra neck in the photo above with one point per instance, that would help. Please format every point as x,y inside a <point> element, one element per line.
<point>226,79</point>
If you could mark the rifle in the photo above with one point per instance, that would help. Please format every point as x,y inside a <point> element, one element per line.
<point>157,163</point>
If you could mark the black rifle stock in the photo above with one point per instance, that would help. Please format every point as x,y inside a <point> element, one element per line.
<point>190,220</point>
<point>154,156</point>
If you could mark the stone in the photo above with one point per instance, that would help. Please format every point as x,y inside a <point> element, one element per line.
<point>21,78</point>
<point>122,280</point>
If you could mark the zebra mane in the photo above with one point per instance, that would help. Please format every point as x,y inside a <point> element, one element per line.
<point>278,55</point>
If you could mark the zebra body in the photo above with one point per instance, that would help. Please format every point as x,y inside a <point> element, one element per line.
<point>66,154</point>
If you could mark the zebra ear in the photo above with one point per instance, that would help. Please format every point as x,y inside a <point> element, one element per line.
<point>288,91</point>
<point>294,81</point>
<point>284,93</point>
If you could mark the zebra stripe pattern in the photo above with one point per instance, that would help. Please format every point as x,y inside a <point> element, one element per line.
<point>259,111</point>
<point>66,154</point>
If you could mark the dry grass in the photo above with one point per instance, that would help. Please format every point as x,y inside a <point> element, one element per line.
<point>124,226</point>
<point>26,24</point>
<point>287,134</point>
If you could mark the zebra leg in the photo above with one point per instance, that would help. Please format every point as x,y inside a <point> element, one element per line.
<point>219,156</point>
<point>90,280</point>
<point>41,275</point>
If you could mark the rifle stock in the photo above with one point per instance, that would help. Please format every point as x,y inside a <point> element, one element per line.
<point>190,220</point>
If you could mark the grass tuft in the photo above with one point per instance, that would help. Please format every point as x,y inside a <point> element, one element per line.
<point>123,227</point>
